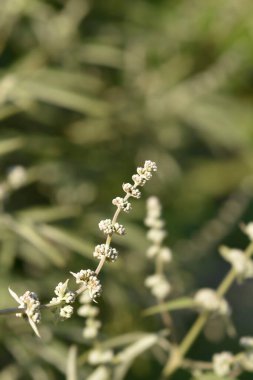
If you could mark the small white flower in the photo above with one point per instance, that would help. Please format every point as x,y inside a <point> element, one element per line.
<point>30,302</point>
<point>97,356</point>
<point>122,204</point>
<point>153,251</point>
<point>222,363</point>
<point>106,226</point>
<point>17,177</point>
<point>165,255</point>
<point>65,312</point>
<point>119,229</point>
<point>91,329</point>
<point>207,299</point>
<point>159,286</point>
<point>131,190</point>
<point>88,311</point>
<point>156,235</point>
<point>242,265</point>
<point>89,278</point>
<point>139,180</point>
<point>63,294</point>
<point>150,166</point>
<point>102,250</point>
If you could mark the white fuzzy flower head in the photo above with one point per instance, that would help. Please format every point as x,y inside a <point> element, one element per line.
<point>165,255</point>
<point>131,190</point>
<point>242,265</point>
<point>63,294</point>
<point>106,226</point>
<point>102,250</point>
<point>207,299</point>
<point>88,311</point>
<point>139,180</point>
<point>89,278</point>
<point>122,204</point>
<point>150,166</point>
<point>222,363</point>
<point>159,286</point>
<point>119,229</point>
<point>156,235</point>
<point>65,312</point>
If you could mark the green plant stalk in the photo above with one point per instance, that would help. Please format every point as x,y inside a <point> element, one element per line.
<point>200,322</point>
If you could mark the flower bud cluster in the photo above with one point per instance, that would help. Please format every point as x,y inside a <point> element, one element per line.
<point>223,363</point>
<point>242,265</point>
<point>121,203</point>
<point>30,303</point>
<point>90,312</point>
<point>131,190</point>
<point>208,300</point>
<point>89,278</point>
<point>98,356</point>
<point>158,284</point>
<point>102,250</point>
<point>64,297</point>
<point>109,228</point>
<point>156,233</point>
<point>143,175</point>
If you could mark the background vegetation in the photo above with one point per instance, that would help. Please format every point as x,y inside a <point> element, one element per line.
<point>89,90</point>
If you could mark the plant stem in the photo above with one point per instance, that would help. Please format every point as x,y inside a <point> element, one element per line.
<point>197,327</point>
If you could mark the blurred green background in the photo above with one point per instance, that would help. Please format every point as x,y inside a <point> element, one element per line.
<point>88,91</point>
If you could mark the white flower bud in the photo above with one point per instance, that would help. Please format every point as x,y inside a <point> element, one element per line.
<point>222,363</point>
<point>207,299</point>
<point>159,286</point>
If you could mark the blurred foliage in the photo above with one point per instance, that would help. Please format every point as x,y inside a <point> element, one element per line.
<point>88,90</point>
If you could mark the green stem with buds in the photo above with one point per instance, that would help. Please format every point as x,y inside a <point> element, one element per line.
<point>200,322</point>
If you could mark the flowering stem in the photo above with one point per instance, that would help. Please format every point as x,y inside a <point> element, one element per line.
<point>197,327</point>
<point>109,237</point>
<point>12,310</point>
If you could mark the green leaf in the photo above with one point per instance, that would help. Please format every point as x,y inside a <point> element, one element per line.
<point>66,239</point>
<point>10,145</point>
<point>180,303</point>
<point>127,356</point>
<point>71,370</point>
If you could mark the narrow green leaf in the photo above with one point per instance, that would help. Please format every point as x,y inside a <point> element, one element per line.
<point>66,239</point>
<point>127,356</point>
<point>181,303</point>
<point>71,370</point>
<point>63,98</point>
<point>47,214</point>
<point>10,145</point>
<point>28,233</point>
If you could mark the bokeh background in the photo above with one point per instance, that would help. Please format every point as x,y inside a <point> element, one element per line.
<point>88,91</point>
